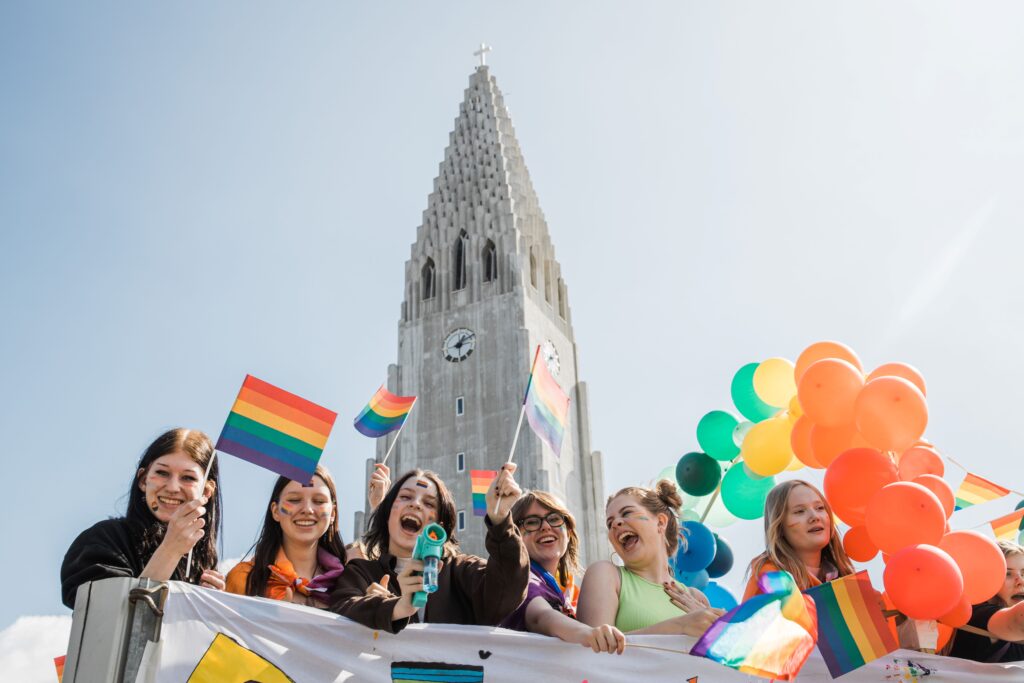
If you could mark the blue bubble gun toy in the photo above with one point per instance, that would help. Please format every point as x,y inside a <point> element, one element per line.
<point>429,548</point>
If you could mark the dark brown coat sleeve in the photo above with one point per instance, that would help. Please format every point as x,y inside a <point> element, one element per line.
<point>349,597</point>
<point>494,588</point>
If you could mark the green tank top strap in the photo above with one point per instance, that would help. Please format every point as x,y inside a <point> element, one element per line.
<point>641,603</point>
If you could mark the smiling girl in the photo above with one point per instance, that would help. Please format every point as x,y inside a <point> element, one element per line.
<point>169,513</point>
<point>642,596</point>
<point>377,592</point>
<point>800,538</point>
<point>299,554</point>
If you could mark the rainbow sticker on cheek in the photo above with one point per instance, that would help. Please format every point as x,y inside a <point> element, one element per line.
<point>284,508</point>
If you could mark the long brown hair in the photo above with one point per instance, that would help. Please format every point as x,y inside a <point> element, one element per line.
<point>779,552</point>
<point>264,550</point>
<point>377,537</point>
<point>664,499</point>
<point>569,563</point>
<point>148,531</point>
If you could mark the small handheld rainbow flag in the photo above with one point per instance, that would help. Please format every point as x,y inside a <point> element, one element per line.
<point>277,430</point>
<point>974,490</point>
<point>769,635</point>
<point>851,628</point>
<point>383,414</point>
<point>480,481</point>
<point>546,405</point>
<point>1006,527</point>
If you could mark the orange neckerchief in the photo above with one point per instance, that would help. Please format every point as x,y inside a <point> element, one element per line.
<point>283,580</point>
<point>570,590</point>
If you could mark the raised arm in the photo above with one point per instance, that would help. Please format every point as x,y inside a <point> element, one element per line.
<point>1008,623</point>
<point>498,586</point>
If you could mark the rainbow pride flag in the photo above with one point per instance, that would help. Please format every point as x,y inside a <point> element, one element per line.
<point>974,490</point>
<point>383,414</point>
<point>58,663</point>
<point>480,480</point>
<point>1006,527</point>
<point>277,430</point>
<point>769,635</point>
<point>546,405</point>
<point>851,627</point>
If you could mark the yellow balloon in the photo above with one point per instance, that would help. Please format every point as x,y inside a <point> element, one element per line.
<point>766,450</point>
<point>794,465</point>
<point>774,383</point>
<point>795,411</point>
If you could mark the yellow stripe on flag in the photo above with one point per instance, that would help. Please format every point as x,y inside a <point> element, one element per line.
<point>277,422</point>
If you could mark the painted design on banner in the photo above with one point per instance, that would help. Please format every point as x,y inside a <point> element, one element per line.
<point>438,672</point>
<point>907,670</point>
<point>226,661</point>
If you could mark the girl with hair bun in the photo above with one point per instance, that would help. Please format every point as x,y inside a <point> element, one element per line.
<point>642,596</point>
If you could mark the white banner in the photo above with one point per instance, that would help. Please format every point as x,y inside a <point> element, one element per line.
<point>213,636</point>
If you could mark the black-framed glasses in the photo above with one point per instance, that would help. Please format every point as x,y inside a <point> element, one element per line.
<point>533,522</point>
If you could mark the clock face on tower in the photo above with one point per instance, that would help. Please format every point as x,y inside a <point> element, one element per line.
<point>459,345</point>
<point>550,356</point>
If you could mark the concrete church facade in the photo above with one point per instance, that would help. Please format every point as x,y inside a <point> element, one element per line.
<point>483,290</point>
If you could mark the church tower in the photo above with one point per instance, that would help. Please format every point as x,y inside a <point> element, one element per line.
<point>482,291</point>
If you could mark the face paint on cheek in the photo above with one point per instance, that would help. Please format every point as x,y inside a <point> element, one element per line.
<point>644,518</point>
<point>284,508</point>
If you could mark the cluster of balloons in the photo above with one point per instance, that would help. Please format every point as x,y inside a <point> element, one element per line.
<point>704,555</point>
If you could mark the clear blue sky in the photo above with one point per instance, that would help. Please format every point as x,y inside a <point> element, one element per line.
<point>190,192</point>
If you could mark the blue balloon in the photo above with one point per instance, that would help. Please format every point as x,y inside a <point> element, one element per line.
<point>719,596</point>
<point>693,579</point>
<point>697,550</point>
<point>722,563</point>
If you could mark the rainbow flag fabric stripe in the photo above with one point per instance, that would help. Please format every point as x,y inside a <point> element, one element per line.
<point>480,480</point>
<point>383,414</point>
<point>438,672</point>
<point>277,430</point>
<point>547,406</point>
<point>1006,527</point>
<point>770,635</point>
<point>974,490</point>
<point>851,627</point>
<point>58,663</point>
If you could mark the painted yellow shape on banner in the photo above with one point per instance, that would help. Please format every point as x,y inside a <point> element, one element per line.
<point>226,661</point>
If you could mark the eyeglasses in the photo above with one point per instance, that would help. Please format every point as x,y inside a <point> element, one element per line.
<point>533,523</point>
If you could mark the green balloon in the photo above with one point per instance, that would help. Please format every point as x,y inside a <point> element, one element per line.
<point>743,496</point>
<point>746,399</point>
<point>698,474</point>
<point>667,473</point>
<point>714,434</point>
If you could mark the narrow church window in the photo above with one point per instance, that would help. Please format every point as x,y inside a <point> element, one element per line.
<point>427,276</point>
<point>547,281</point>
<point>561,298</point>
<point>533,269</point>
<point>459,275</point>
<point>490,262</point>
<point>460,462</point>
<point>460,405</point>
<point>462,520</point>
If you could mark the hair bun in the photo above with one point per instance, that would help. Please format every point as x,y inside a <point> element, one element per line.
<point>668,493</point>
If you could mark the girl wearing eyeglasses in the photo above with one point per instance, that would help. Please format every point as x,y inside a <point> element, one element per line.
<point>549,534</point>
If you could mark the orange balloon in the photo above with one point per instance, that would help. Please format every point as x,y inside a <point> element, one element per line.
<point>858,545</point>
<point>853,478</point>
<point>918,460</point>
<point>828,392</point>
<point>800,440</point>
<point>923,581</point>
<point>903,514</point>
<point>907,372</point>
<point>981,562</point>
<point>891,413</point>
<point>825,349</point>
<point>945,633</point>
<point>828,442</point>
<point>942,491</point>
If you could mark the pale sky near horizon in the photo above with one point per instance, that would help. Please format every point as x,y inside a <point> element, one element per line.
<point>191,192</point>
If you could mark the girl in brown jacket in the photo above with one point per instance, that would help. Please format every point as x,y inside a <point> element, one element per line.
<point>377,592</point>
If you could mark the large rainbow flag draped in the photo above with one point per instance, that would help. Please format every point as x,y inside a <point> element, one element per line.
<point>974,490</point>
<point>383,414</point>
<point>277,430</point>
<point>769,635</point>
<point>851,627</point>
<point>1006,527</point>
<point>546,405</point>
<point>480,481</point>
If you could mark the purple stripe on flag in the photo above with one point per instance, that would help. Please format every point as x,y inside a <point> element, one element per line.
<point>263,460</point>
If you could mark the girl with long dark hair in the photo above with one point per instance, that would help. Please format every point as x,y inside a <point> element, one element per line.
<point>170,512</point>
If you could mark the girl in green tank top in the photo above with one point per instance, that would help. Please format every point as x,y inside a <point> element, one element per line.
<point>642,596</point>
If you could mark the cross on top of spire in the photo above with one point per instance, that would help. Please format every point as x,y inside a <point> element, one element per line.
<point>482,53</point>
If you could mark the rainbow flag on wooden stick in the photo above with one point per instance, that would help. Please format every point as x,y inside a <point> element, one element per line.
<point>480,481</point>
<point>769,635</point>
<point>546,405</point>
<point>275,429</point>
<point>383,414</point>
<point>851,627</point>
<point>974,490</point>
<point>1006,527</point>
